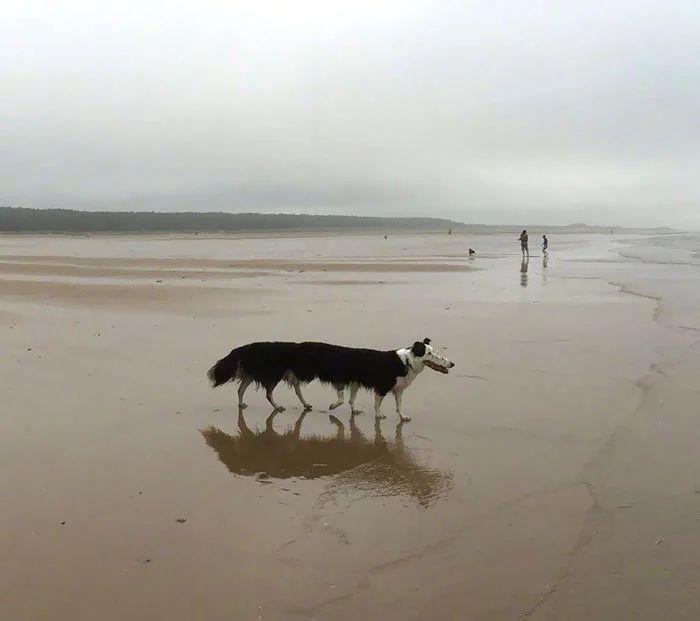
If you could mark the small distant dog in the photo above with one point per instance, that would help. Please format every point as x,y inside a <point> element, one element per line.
<point>382,372</point>
<point>472,252</point>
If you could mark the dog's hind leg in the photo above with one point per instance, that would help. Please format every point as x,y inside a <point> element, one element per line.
<point>297,389</point>
<point>268,394</point>
<point>245,382</point>
<point>397,396</point>
<point>353,393</point>
<point>378,405</point>
<point>341,397</point>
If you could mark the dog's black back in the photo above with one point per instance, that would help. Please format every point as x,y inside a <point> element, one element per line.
<point>340,366</point>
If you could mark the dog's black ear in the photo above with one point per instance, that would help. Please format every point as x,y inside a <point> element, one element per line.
<point>418,349</point>
<point>426,341</point>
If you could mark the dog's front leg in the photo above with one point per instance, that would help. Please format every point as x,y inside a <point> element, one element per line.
<point>398,394</point>
<point>377,405</point>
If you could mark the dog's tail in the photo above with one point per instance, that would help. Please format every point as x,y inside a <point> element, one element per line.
<point>224,370</point>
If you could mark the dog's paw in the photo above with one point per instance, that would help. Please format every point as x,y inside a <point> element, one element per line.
<point>280,408</point>
<point>379,416</point>
<point>308,407</point>
<point>332,406</point>
<point>404,419</point>
<point>242,406</point>
<point>355,412</point>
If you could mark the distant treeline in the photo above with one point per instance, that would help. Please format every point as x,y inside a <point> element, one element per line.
<point>18,219</point>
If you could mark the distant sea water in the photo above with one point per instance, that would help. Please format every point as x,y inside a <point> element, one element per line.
<point>666,267</point>
<point>679,249</point>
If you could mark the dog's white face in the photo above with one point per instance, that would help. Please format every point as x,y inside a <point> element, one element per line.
<point>423,354</point>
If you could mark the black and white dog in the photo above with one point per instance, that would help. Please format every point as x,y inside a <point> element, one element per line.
<point>382,372</point>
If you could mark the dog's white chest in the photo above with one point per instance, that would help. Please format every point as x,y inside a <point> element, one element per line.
<point>404,382</point>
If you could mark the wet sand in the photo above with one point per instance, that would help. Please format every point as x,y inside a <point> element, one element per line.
<point>551,475</point>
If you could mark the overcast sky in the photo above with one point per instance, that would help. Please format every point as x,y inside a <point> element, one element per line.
<point>525,111</point>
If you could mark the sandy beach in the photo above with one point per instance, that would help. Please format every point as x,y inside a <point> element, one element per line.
<point>553,474</point>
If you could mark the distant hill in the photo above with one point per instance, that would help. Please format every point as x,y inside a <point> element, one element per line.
<point>18,219</point>
<point>569,228</point>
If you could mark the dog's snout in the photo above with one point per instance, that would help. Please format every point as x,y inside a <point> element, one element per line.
<point>451,364</point>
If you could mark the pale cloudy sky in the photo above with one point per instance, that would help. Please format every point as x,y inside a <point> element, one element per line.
<point>530,111</point>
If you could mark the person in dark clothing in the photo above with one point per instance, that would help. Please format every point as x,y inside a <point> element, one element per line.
<point>523,243</point>
<point>545,245</point>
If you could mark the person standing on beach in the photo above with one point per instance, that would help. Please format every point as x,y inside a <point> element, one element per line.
<point>523,243</point>
<point>545,245</point>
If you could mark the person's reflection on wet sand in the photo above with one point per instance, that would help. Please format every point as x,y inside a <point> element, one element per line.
<point>523,271</point>
<point>376,467</point>
<point>545,260</point>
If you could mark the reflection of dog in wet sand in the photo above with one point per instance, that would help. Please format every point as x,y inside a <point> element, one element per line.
<point>377,466</point>
<point>267,364</point>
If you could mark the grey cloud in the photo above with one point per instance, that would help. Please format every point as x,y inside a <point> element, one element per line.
<point>492,112</point>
